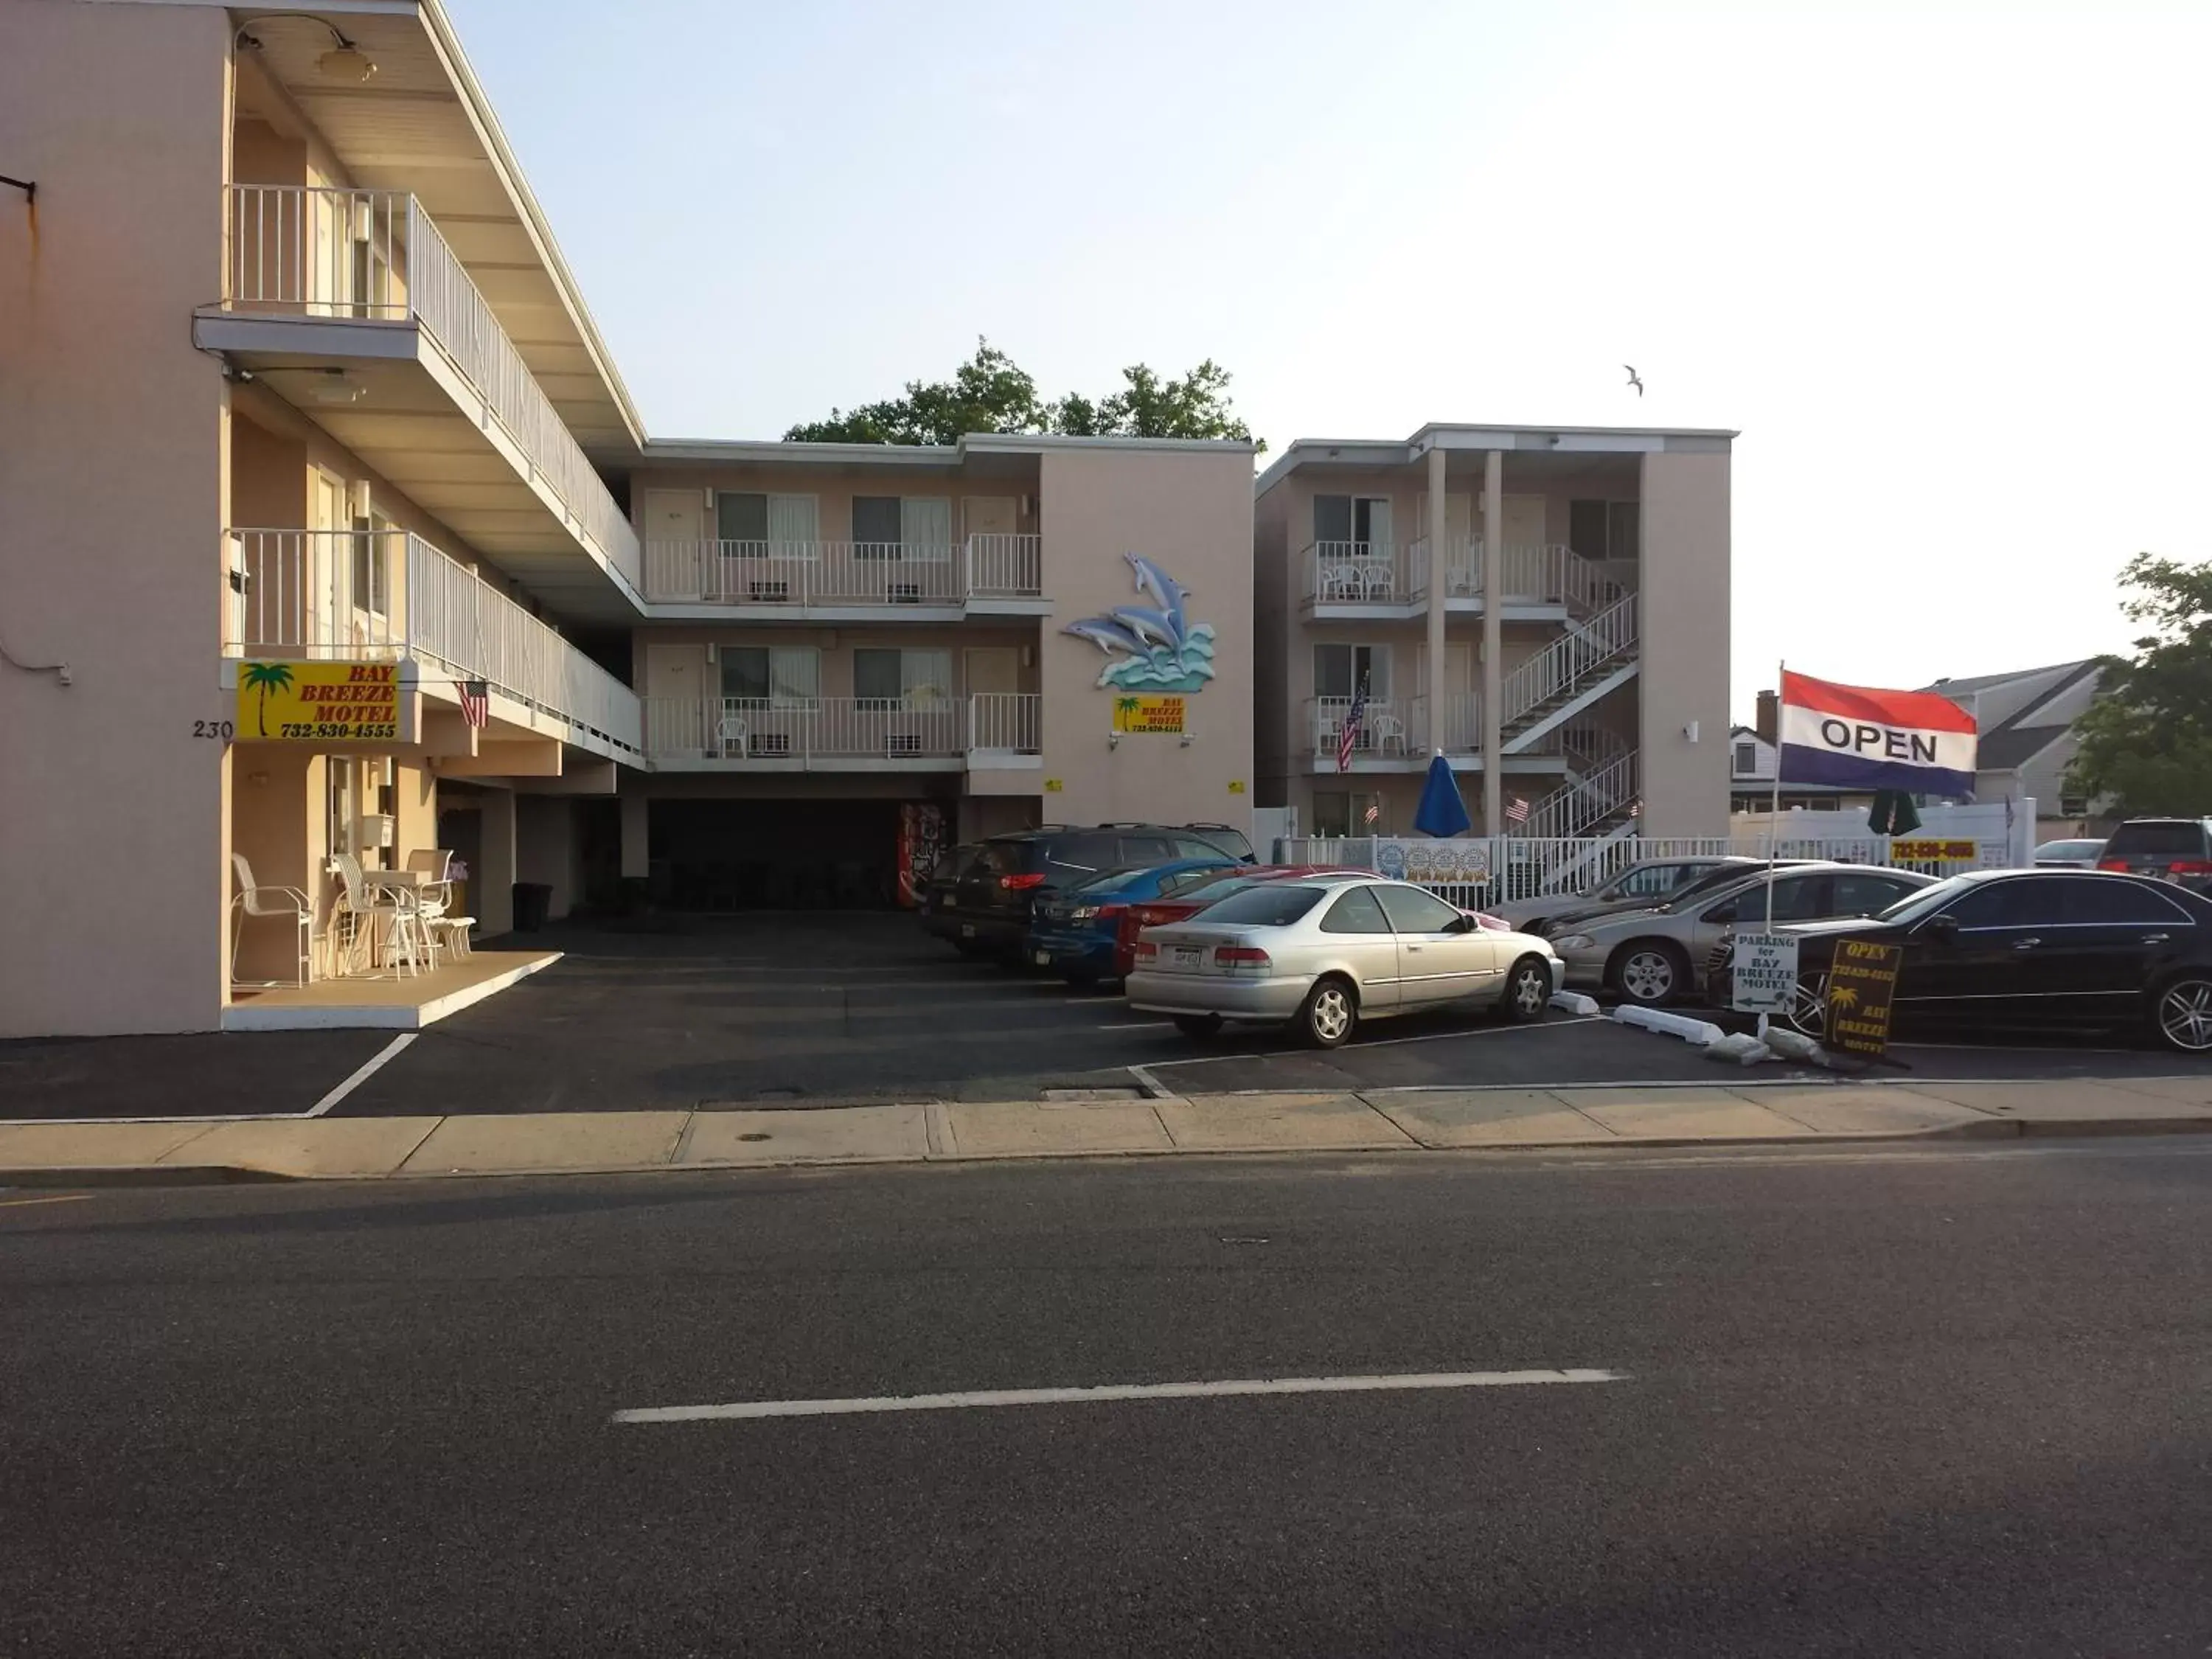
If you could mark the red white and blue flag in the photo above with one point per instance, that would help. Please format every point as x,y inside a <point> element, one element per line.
<point>1349,737</point>
<point>1854,737</point>
<point>475,701</point>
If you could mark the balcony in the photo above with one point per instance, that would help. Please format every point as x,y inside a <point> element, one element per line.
<point>1384,741</point>
<point>388,596</point>
<point>982,576</point>
<point>1357,580</point>
<point>843,734</point>
<point>433,393</point>
<point>1541,583</point>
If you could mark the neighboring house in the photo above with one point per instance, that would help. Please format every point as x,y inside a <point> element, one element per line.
<point>1751,777</point>
<point>1582,672</point>
<point>2027,720</point>
<point>299,387</point>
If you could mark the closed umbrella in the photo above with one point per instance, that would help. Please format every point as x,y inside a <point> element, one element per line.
<point>1442,813</point>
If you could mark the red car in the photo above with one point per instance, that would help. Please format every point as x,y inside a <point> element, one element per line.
<point>1190,900</point>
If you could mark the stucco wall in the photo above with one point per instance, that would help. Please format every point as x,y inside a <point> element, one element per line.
<point>1685,644</point>
<point>1190,513</point>
<point>832,487</point>
<point>110,499</point>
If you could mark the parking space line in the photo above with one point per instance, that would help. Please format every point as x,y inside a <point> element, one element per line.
<point>1153,1088</point>
<point>369,1068</point>
<point>56,1198</point>
<point>1109,1393</point>
<point>1138,1025</point>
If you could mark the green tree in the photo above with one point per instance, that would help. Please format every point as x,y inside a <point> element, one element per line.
<point>991,392</point>
<point>262,679</point>
<point>2146,742</point>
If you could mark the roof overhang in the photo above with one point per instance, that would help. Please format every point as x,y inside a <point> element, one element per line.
<point>1580,440</point>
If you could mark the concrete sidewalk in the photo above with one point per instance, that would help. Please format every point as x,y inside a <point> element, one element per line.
<point>1399,1120</point>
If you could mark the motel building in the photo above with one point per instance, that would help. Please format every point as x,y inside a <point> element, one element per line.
<point>1547,607</point>
<point>328,532</point>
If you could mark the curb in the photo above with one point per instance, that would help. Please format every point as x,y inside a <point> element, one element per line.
<point>215,1174</point>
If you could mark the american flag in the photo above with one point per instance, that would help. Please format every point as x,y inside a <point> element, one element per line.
<point>1348,739</point>
<point>475,701</point>
<point>1371,814</point>
<point>1516,810</point>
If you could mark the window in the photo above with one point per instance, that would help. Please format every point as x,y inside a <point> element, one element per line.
<point>1356,912</point>
<point>1269,904</point>
<point>1746,760</point>
<point>372,541</point>
<point>2006,904</point>
<point>2073,806</point>
<point>876,678</point>
<point>1340,671</point>
<point>1796,898</point>
<point>787,677</point>
<point>1068,857</point>
<point>1649,881</point>
<point>2179,838</point>
<point>1190,846</point>
<point>2088,902</point>
<point>887,679</point>
<point>1141,850</point>
<point>1866,896</point>
<point>1604,530</point>
<point>1195,883</point>
<point>1412,910</point>
<point>875,525</point>
<point>1342,813</point>
<point>1361,521</point>
<point>741,517</point>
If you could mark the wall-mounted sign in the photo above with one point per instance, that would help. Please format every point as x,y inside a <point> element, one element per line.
<point>1054,786</point>
<point>1934,852</point>
<point>1444,862</point>
<point>1153,647</point>
<point>1149,714</point>
<point>1236,785</point>
<point>319,701</point>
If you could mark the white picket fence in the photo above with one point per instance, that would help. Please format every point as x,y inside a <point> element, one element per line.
<point>1489,870</point>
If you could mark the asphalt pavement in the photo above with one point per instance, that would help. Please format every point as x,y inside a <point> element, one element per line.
<point>1902,1400</point>
<point>686,1012</point>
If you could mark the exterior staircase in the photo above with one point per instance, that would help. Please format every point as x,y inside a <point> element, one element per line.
<point>1594,657</point>
<point>1599,794</point>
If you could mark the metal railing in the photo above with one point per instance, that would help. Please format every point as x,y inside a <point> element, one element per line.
<point>1584,800</point>
<point>1006,722</point>
<point>376,254</point>
<point>803,573</point>
<point>387,594</point>
<point>1459,731</point>
<point>841,729</point>
<point>1561,666</point>
<point>1384,729</point>
<point>1357,572</point>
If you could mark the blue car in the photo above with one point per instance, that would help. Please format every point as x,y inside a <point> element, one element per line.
<point>1073,932</point>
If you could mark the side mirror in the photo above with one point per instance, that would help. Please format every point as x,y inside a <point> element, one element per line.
<point>1944,930</point>
<point>1461,923</point>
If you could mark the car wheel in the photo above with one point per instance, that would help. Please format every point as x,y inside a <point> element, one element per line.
<point>1807,1012</point>
<point>1650,973</point>
<point>1329,1014</point>
<point>1527,991</point>
<point>1198,1025</point>
<point>2184,1014</point>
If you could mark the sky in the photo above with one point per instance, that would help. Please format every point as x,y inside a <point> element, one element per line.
<point>1942,266</point>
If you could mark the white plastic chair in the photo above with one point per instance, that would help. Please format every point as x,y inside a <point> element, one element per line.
<point>1382,581</point>
<point>406,944</point>
<point>254,899</point>
<point>731,730</point>
<point>1388,729</point>
<point>1341,581</point>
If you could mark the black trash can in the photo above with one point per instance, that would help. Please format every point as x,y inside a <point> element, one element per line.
<point>532,899</point>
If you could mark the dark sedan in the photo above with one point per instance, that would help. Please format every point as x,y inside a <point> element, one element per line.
<point>2040,948</point>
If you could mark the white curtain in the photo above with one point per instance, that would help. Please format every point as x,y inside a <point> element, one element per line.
<point>925,676</point>
<point>925,528</point>
<point>794,676</point>
<point>792,527</point>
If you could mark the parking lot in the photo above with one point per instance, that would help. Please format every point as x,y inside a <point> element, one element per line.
<point>801,1009</point>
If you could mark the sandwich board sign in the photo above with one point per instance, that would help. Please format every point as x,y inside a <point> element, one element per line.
<point>1763,973</point>
<point>1861,988</point>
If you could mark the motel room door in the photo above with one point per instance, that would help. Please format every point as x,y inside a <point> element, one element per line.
<point>674,565</point>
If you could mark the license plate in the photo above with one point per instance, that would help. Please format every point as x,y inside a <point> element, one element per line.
<point>1185,956</point>
<point>949,902</point>
<point>1042,958</point>
<point>967,930</point>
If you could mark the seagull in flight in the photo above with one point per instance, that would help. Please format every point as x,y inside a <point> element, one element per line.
<point>1634,379</point>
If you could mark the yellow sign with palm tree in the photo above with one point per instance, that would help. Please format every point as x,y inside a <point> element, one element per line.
<point>319,701</point>
<point>1164,714</point>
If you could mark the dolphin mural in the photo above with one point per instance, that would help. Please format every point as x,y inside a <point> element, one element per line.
<point>1151,647</point>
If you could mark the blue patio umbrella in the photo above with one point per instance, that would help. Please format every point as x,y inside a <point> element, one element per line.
<point>1442,813</point>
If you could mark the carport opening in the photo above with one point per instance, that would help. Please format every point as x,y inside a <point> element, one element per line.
<point>730,855</point>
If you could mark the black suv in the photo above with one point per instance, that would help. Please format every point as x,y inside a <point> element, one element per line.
<point>2173,850</point>
<point>986,910</point>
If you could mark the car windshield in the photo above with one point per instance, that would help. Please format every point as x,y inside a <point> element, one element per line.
<point>1719,876</point>
<point>1110,879</point>
<point>1263,904</point>
<point>2178,838</point>
<point>1207,884</point>
<point>1230,841</point>
<point>2070,849</point>
<point>1926,901</point>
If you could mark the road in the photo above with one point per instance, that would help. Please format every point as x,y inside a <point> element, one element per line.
<point>825,1009</point>
<point>1913,1400</point>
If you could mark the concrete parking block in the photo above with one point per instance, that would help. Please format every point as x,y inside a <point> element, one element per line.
<point>1844,1109</point>
<point>1487,1117</point>
<point>528,1142</point>
<point>856,1135</point>
<point>1020,1128</point>
<point>331,1147</point>
<point>2068,1102</point>
<point>1219,1123</point>
<point>92,1145</point>
<point>1682,1114</point>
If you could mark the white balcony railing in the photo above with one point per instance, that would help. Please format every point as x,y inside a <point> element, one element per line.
<point>831,730</point>
<point>386,594</point>
<point>819,572</point>
<point>1551,573</point>
<point>376,254</point>
<point>1383,732</point>
<point>1357,572</point>
<point>1457,731</point>
<point>1561,669</point>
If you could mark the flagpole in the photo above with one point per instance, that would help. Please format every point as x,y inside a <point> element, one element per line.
<point>1774,803</point>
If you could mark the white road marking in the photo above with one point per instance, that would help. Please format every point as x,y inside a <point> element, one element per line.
<point>1153,1088</point>
<point>1138,1025</point>
<point>58,1198</point>
<point>390,1050</point>
<point>1108,1393</point>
